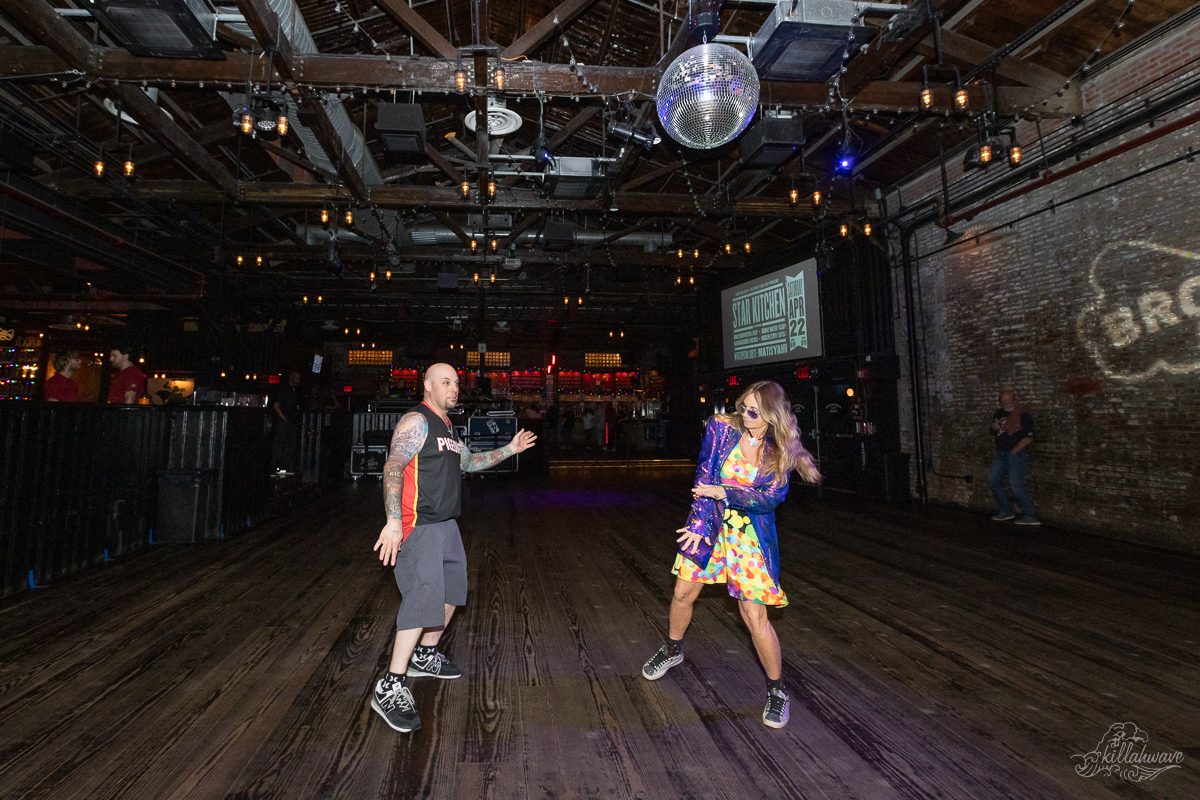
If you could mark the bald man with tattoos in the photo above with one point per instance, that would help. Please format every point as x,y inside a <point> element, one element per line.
<point>422,491</point>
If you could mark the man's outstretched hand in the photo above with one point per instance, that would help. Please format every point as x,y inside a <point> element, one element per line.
<point>522,441</point>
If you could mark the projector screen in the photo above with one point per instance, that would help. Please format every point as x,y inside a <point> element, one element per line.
<point>773,318</point>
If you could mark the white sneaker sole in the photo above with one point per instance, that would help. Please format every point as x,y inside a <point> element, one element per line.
<point>674,662</point>
<point>416,672</point>
<point>379,710</point>
<point>771,724</point>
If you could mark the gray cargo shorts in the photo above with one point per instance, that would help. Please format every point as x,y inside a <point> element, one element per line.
<point>431,573</point>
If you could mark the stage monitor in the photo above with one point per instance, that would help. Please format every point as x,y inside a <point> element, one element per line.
<point>773,318</point>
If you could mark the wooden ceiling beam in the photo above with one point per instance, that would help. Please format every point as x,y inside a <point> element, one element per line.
<point>443,198</point>
<point>436,76</point>
<point>540,33</point>
<point>966,51</point>
<point>421,30</point>
<point>872,65</point>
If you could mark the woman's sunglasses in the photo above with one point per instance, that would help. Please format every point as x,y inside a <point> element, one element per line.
<point>748,412</point>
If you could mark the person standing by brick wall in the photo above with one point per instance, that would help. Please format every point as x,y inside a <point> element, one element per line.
<point>1013,429</point>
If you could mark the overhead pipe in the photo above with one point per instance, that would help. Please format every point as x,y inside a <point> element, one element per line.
<point>442,235</point>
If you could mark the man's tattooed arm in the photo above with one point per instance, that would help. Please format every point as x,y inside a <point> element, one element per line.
<point>478,462</point>
<point>407,440</point>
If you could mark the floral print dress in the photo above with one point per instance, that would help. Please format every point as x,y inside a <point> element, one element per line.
<point>737,558</point>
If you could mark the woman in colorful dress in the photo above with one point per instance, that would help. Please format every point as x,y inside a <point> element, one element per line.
<point>729,538</point>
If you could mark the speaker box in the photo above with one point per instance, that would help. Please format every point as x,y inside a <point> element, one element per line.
<point>447,280</point>
<point>559,237</point>
<point>401,130</point>
<point>772,141</point>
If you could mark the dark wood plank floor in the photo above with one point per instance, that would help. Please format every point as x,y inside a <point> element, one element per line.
<point>929,656</point>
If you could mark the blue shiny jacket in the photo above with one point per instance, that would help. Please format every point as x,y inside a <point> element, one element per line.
<point>758,501</point>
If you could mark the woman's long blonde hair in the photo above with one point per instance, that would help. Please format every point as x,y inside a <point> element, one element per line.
<point>788,452</point>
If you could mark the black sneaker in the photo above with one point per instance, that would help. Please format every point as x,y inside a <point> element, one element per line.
<point>775,714</point>
<point>396,706</point>
<point>659,663</point>
<point>1002,517</point>
<point>434,666</point>
<point>1028,521</point>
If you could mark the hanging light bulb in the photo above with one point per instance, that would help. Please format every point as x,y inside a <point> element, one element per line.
<point>247,123</point>
<point>844,229</point>
<point>498,79</point>
<point>474,245</point>
<point>491,188</point>
<point>281,124</point>
<point>259,261</point>
<point>566,301</point>
<point>696,253</point>
<point>476,278</point>
<point>305,298</point>
<point>492,278</point>
<point>961,99</point>
<point>466,189</point>
<point>388,275</point>
<point>99,168</point>
<point>494,243</point>
<point>816,199</point>
<point>460,80</point>
<point>581,301</point>
<point>926,98</point>
<point>680,252</point>
<point>324,215</point>
<point>747,247</point>
<point>239,260</point>
<point>129,169</point>
<point>692,280</point>
<point>678,279</point>
<point>794,195</point>
<point>866,229</point>
<point>320,299</point>
<point>372,276</point>
<point>349,217</point>
<point>985,154</point>
<point>1014,155</point>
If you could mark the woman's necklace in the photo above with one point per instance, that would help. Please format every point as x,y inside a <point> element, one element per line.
<point>753,442</point>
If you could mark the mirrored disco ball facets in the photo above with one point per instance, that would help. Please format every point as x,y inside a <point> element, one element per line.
<point>707,96</point>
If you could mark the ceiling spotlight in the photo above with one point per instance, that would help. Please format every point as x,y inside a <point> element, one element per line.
<point>331,250</point>
<point>99,168</point>
<point>541,149</point>
<point>971,159</point>
<point>961,99</point>
<point>460,80</point>
<point>624,132</point>
<point>845,161</point>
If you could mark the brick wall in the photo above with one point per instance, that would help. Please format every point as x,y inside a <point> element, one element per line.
<point>1090,313</point>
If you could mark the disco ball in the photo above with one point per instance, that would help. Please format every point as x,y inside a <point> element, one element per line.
<point>707,96</point>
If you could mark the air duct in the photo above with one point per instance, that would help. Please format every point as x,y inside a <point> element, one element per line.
<point>429,235</point>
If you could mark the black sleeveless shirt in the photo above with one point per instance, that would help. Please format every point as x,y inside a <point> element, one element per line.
<point>433,479</point>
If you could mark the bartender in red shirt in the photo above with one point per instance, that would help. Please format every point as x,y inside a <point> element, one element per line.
<point>129,384</point>
<point>59,387</point>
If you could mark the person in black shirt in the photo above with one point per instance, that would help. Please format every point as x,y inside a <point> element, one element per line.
<point>286,410</point>
<point>1013,429</point>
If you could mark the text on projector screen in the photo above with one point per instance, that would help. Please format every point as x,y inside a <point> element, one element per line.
<point>773,318</point>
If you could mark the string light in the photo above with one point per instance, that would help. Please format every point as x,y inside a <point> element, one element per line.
<point>926,98</point>
<point>349,217</point>
<point>728,249</point>
<point>581,301</point>
<point>498,79</point>
<point>99,168</point>
<point>696,253</point>
<point>566,301</point>
<point>494,244</point>
<point>680,252</point>
<point>460,80</point>
<point>491,188</point>
<point>259,261</point>
<point>474,244</point>
<point>1014,155</point>
<point>866,229</point>
<point>129,169</point>
<point>844,229</point>
<point>239,260</point>
<point>747,247</point>
<point>324,215</point>
<point>960,99</point>
<point>305,298</point>
<point>466,189</point>
<point>985,154</point>
<point>388,275</point>
<point>281,124</point>
<point>816,199</point>
<point>493,277</point>
<point>795,196</point>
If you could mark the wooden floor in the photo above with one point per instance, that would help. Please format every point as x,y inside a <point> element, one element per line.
<point>928,657</point>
